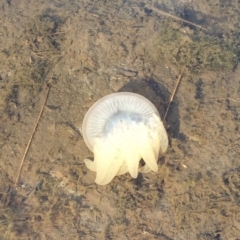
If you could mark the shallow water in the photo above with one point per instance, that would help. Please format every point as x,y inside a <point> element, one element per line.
<point>86,50</point>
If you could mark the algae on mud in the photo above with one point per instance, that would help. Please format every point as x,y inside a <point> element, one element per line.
<point>34,58</point>
<point>43,45</point>
<point>41,41</point>
<point>195,51</point>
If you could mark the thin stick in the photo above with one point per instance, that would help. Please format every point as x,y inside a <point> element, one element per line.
<point>31,137</point>
<point>173,94</point>
<point>231,99</point>
<point>177,18</point>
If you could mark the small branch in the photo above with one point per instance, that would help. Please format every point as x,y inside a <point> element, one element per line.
<point>230,99</point>
<point>173,93</point>
<point>31,137</point>
<point>178,19</point>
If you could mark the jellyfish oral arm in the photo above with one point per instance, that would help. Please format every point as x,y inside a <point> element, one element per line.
<point>121,150</point>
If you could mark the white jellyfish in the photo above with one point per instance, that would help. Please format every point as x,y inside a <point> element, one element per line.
<point>121,129</point>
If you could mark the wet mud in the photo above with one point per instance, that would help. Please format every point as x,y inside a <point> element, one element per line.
<point>86,50</point>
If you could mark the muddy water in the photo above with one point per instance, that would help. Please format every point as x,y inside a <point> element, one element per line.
<point>86,50</point>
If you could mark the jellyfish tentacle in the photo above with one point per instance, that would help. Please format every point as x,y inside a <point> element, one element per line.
<point>90,164</point>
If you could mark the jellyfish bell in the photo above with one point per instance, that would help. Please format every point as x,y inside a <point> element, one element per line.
<point>121,129</point>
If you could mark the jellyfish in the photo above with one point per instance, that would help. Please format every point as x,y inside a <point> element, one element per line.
<point>121,129</point>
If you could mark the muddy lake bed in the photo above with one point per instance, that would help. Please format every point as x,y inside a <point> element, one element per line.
<point>86,50</point>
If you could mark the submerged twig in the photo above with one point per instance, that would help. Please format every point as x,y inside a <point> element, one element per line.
<point>31,137</point>
<point>178,18</point>
<point>230,99</point>
<point>173,93</point>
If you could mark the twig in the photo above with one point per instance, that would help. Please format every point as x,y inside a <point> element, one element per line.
<point>230,99</point>
<point>31,137</point>
<point>60,32</point>
<point>173,93</point>
<point>179,19</point>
